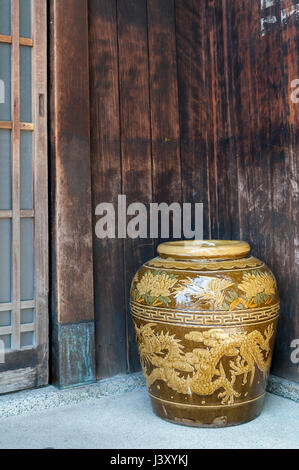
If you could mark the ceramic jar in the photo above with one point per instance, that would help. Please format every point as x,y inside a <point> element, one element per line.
<point>205,316</point>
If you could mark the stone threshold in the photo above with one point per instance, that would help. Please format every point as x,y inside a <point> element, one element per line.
<point>284,388</point>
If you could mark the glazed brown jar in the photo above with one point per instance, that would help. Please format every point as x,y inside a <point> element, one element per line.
<point>205,316</point>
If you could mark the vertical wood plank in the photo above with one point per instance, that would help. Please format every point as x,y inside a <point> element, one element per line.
<point>223,161</point>
<point>16,253</point>
<point>72,258</point>
<point>165,127</point>
<point>71,163</point>
<point>285,201</point>
<point>251,64</point>
<point>110,300</point>
<point>40,158</point>
<point>193,103</point>
<point>136,136</point>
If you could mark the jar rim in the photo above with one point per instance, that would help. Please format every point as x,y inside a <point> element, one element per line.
<point>222,249</point>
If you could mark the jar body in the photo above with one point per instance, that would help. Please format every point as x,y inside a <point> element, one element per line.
<point>205,330</point>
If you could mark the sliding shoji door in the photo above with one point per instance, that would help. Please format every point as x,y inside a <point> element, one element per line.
<point>23,195</point>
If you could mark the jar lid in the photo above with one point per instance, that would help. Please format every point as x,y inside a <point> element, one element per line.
<point>222,249</point>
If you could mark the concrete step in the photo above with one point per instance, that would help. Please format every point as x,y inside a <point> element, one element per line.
<point>126,421</point>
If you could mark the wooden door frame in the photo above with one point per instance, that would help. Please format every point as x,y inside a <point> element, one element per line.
<point>71,266</point>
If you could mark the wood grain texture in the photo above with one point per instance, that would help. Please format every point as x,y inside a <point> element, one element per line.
<point>17,379</point>
<point>191,102</point>
<point>72,300</point>
<point>16,176</point>
<point>223,161</point>
<point>257,147</point>
<point>41,187</point>
<point>165,129</point>
<point>191,39</point>
<point>15,374</point>
<point>285,195</point>
<point>110,298</point>
<point>136,137</point>
<point>70,163</point>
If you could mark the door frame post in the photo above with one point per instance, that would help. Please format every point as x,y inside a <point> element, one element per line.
<point>72,293</point>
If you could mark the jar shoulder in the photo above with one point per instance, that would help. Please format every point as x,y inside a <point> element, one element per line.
<point>219,285</point>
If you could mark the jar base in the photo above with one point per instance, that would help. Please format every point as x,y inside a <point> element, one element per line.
<point>208,416</point>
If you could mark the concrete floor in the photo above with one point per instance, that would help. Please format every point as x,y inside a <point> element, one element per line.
<point>126,421</point>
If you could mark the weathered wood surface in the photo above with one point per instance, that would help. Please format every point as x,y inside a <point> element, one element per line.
<point>135,137</point>
<point>259,186</point>
<point>195,113</point>
<point>41,186</point>
<point>72,307</point>
<point>110,298</point>
<point>214,79</point>
<point>70,162</point>
<point>16,175</point>
<point>163,83</point>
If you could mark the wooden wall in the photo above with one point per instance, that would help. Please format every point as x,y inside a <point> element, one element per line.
<point>191,102</point>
